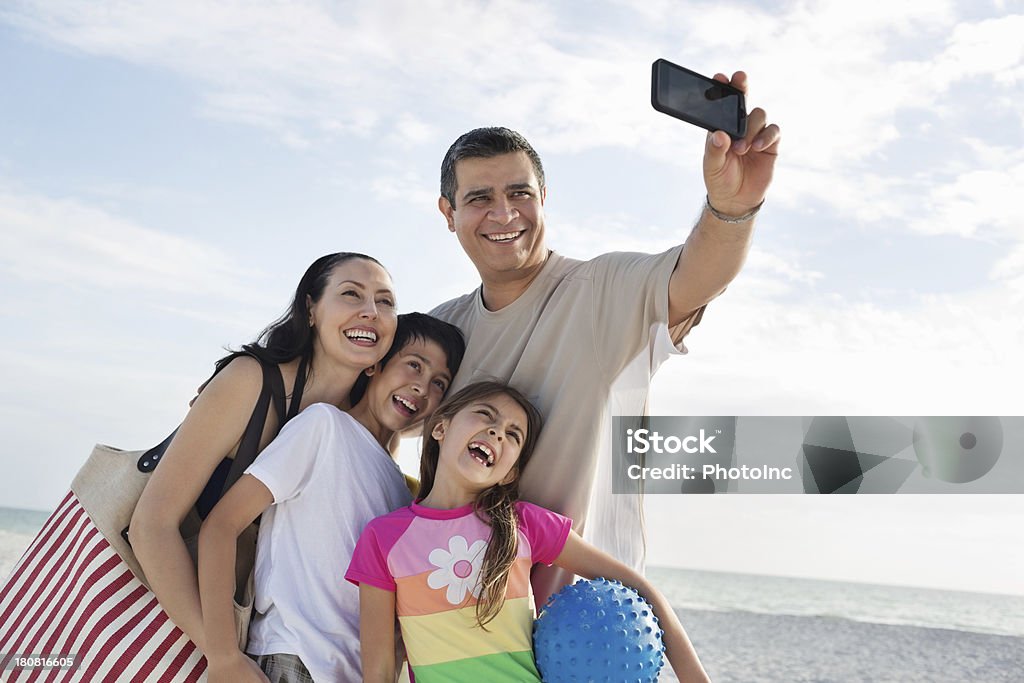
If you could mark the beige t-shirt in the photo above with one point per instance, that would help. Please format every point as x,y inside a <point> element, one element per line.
<point>582,343</point>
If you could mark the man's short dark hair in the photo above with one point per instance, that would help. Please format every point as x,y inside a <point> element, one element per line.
<point>419,327</point>
<point>485,143</point>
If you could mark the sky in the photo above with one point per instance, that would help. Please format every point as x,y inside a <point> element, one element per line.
<point>168,170</point>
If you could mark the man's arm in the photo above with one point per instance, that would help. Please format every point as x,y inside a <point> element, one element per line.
<point>737,175</point>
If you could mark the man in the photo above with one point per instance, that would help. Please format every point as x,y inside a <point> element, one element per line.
<point>582,339</point>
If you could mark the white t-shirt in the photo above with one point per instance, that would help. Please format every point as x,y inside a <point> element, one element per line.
<point>582,343</point>
<point>329,478</point>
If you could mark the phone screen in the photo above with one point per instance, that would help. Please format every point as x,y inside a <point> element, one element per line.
<point>697,99</point>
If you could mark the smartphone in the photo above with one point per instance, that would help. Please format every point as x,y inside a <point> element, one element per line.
<point>697,99</point>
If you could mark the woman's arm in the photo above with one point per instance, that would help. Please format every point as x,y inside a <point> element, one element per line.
<point>583,559</point>
<point>211,431</point>
<point>242,504</point>
<point>377,634</point>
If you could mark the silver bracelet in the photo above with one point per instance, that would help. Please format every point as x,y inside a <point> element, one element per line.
<point>731,219</point>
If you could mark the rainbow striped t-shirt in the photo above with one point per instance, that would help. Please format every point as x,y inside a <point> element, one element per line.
<point>431,559</point>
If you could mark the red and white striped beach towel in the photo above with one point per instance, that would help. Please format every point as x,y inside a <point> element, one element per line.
<point>71,594</point>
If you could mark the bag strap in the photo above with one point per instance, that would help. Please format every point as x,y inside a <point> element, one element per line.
<point>148,460</point>
<point>249,446</point>
<point>273,389</point>
<point>300,384</point>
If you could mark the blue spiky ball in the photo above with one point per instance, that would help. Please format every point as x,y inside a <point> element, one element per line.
<point>597,630</point>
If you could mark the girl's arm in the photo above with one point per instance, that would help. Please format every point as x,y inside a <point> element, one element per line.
<point>583,559</point>
<point>242,504</point>
<point>377,634</point>
<point>210,431</point>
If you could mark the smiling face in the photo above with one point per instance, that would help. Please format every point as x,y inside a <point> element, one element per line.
<point>480,445</point>
<point>406,390</point>
<point>355,317</point>
<point>498,215</point>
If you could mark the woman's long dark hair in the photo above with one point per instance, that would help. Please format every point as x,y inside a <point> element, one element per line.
<point>290,336</point>
<point>495,505</point>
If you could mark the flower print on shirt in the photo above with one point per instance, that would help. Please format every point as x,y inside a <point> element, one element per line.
<point>458,568</point>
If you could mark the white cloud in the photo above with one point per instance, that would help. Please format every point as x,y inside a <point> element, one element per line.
<point>979,201</point>
<point>412,129</point>
<point>786,266</point>
<point>345,68</point>
<point>404,185</point>
<point>937,355</point>
<point>1011,264</point>
<point>588,236</point>
<point>1010,269</point>
<point>987,48</point>
<point>66,241</point>
<point>841,79</point>
<point>349,68</point>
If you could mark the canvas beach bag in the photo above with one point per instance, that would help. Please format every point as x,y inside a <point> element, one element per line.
<point>79,593</point>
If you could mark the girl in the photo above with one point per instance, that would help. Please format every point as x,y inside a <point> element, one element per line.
<point>455,565</point>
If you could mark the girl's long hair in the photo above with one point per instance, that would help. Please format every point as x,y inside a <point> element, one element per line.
<point>495,505</point>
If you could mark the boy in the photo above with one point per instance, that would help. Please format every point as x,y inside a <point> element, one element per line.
<point>325,476</point>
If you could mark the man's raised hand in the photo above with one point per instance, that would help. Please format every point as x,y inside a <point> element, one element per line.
<point>737,172</point>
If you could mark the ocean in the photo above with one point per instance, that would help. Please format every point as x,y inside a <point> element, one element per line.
<point>868,603</point>
<point>17,529</point>
<point>749,628</point>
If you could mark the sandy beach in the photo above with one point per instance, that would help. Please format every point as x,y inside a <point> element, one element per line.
<point>763,648</point>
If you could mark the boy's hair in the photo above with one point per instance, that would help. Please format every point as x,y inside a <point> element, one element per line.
<point>495,505</point>
<point>485,143</point>
<point>418,327</point>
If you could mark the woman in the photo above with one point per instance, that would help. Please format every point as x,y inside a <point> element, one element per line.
<point>341,321</point>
